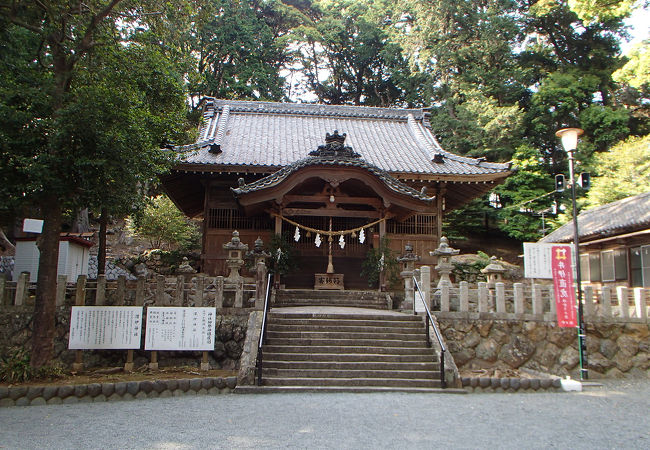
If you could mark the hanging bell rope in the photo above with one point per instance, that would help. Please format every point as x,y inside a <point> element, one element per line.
<point>326,232</point>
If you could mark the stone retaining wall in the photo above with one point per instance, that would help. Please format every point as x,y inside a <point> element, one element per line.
<point>107,392</point>
<point>16,328</point>
<point>615,349</point>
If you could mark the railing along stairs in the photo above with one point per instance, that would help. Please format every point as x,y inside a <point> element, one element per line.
<point>429,319</point>
<point>260,356</point>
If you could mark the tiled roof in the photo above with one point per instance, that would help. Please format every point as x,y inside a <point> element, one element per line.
<point>623,216</point>
<point>332,155</point>
<point>274,135</point>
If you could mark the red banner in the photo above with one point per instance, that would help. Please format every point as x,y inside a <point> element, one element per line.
<point>565,303</point>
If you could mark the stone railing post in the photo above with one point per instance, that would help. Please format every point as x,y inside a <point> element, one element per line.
<point>3,281</point>
<point>160,290</point>
<point>218,294</point>
<point>501,297</point>
<point>588,296</point>
<point>100,294</point>
<point>538,303</point>
<point>180,287</point>
<point>139,291</point>
<point>260,285</point>
<point>239,293</point>
<point>80,291</point>
<point>606,301</point>
<point>61,284</point>
<point>444,296</point>
<point>623,302</point>
<point>425,285</point>
<point>482,297</point>
<point>640,303</point>
<point>200,287</point>
<point>22,287</point>
<point>464,296</point>
<point>518,292</point>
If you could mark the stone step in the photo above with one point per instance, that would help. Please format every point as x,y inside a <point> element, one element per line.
<point>320,342</point>
<point>331,302</point>
<point>339,335</point>
<point>424,358</point>
<point>310,293</point>
<point>283,328</point>
<point>273,315</point>
<point>343,389</point>
<point>336,349</point>
<point>332,373</point>
<point>384,382</point>
<point>309,323</point>
<point>272,363</point>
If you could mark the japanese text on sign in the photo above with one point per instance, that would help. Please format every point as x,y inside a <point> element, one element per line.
<point>105,327</point>
<point>563,286</point>
<point>180,328</point>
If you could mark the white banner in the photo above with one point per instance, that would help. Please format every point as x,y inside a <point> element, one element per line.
<point>170,328</point>
<point>105,327</point>
<point>537,259</point>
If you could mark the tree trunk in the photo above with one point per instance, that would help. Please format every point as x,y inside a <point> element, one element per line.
<point>101,254</point>
<point>81,222</point>
<point>45,302</point>
<point>5,244</point>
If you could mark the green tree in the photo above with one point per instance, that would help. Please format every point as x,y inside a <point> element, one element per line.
<point>623,171</point>
<point>70,131</point>
<point>163,224</point>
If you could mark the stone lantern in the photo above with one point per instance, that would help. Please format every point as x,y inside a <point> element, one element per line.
<point>493,272</point>
<point>235,259</point>
<point>258,253</point>
<point>408,269</point>
<point>444,253</point>
<point>259,256</point>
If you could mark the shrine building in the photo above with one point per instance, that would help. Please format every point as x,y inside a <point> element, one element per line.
<point>314,172</point>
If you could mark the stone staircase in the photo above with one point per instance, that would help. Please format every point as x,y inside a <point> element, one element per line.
<point>342,351</point>
<point>308,297</point>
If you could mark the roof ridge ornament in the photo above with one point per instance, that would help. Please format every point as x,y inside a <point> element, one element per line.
<point>334,147</point>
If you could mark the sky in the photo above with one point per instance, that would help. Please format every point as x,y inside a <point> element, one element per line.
<point>640,22</point>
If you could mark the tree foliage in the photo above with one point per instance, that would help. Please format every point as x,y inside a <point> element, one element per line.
<point>164,225</point>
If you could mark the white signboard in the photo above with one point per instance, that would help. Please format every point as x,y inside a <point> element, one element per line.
<point>105,327</point>
<point>33,226</point>
<point>537,260</point>
<point>180,328</point>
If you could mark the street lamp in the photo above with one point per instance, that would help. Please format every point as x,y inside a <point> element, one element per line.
<point>569,137</point>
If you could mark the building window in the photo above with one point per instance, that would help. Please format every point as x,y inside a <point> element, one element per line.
<point>418,224</point>
<point>613,265</point>
<point>233,219</point>
<point>640,266</point>
<point>590,267</point>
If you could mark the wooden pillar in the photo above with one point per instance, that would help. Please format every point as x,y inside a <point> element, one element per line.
<point>61,284</point>
<point>440,209</point>
<point>278,225</point>
<point>100,295</point>
<point>22,287</point>
<point>80,300</point>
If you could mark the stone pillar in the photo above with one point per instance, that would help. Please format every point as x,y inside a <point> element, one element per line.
<point>606,301</point>
<point>538,304</point>
<point>501,297</point>
<point>518,292</point>
<point>444,296</point>
<point>464,296</point>
<point>259,256</point>
<point>640,303</point>
<point>482,297</point>
<point>22,287</point>
<point>425,284</point>
<point>588,296</point>
<point>61,284</point>
<point>100,295</point>
<point>623,302</point>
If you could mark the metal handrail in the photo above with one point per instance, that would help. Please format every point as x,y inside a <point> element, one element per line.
<point>429,318</point>
<point>263,332</point>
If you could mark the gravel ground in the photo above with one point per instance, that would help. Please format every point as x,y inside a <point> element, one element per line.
<point>612,416</point>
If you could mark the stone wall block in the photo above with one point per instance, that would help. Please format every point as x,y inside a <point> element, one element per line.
<point>608,348</point>
<point>517,352</point>
<point>487,350</point>
<point>628,345</point>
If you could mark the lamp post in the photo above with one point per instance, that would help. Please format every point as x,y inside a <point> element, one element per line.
<point>569,137</point>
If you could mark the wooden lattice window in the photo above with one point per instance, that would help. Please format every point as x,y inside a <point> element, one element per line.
<point>418,224</point>
<point>233,219</point>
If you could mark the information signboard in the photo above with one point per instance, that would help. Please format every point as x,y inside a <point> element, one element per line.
<point>105,327</point>
<point>172,328</point>
<point>537,260</point>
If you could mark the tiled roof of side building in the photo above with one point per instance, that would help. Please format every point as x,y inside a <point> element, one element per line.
<point>623,216</point>
<point>274,135</point>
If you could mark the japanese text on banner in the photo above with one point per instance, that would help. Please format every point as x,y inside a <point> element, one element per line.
<point>563,286</point>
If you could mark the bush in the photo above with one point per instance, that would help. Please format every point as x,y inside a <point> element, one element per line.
<point>164,225</point>
<point>374,263</point>
<point>15,368</point>
<point>471,271</point>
